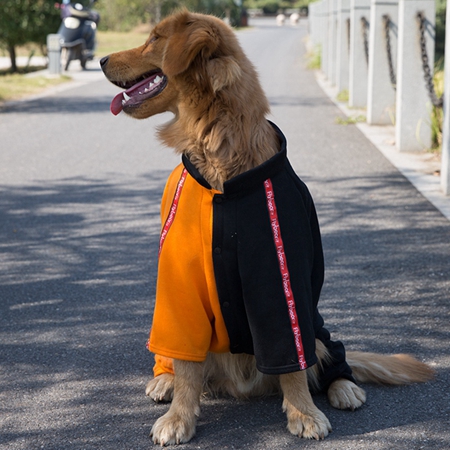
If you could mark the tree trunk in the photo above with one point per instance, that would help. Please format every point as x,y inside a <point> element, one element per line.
<point>12,55</point>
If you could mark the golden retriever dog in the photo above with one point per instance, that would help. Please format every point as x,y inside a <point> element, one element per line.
<point>193,66</point>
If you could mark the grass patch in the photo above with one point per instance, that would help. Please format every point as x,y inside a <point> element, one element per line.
<point>350,120</point>
<point>437,114</point>
<point>107,42</point>
<point>15,86</point>
<point>314,58</point>
<point>343,96</point>
<point>110,41</point>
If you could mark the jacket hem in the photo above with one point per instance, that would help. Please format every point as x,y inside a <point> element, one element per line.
<point>285,369</point>
<point>176,355</point>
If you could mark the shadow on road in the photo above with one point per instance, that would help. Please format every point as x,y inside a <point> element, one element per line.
<point>58,105</point>
<point>77,279</point>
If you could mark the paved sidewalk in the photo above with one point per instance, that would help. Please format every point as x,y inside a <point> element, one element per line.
<point>420,168</point>
<point>22,61</point>
<point>41,61</point>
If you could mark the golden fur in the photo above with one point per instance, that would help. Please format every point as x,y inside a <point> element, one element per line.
<point>219,122</point>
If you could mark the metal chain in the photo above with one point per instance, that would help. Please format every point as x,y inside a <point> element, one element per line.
<point>365,29</point>
<point>438,102</point>
<point>387,23</point>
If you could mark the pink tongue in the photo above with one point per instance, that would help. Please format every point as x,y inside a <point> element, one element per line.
<point>116,104</point>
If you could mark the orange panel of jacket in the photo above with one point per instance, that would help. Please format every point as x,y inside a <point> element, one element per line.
<point>188,256</point>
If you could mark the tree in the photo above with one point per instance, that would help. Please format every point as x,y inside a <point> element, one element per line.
<point>123,15</point>
<point>24,21</point>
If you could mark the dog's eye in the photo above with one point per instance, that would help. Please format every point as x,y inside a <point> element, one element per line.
<point>153,39</point>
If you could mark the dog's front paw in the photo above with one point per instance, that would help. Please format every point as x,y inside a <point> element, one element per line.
<point>310,426</point>
<point>160,388</point>
<point>173,428</point>
<point>344,394</point>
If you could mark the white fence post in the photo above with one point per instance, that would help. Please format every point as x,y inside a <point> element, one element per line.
<point>313,22</point>
<point>323,14</point>
<point>316,25</point>
<point>380,93</point>
<point>343,43</point>
<point>324,36</point>
<point>445,162</point>
<point>358,64</point>
<point>332,44</point>
<point>413,105</point>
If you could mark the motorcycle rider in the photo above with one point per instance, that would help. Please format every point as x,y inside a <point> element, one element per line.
<point>78,31</point>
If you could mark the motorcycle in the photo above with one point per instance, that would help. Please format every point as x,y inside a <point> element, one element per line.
<point>78,32</point>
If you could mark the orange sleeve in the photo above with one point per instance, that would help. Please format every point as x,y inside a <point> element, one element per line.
<point>162,365</point>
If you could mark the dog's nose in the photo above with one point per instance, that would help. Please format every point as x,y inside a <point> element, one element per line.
<point>104,62</point>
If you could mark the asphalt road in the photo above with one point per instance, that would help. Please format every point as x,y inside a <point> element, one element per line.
<point>79,201</point>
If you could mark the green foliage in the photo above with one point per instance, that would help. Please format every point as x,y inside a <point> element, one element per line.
<point>314,58</point>
<point>350,120</point>
<point>269,6</point>
<point>342,96</point>
<point>23,21</point>
<point>440,29</point>
<point>437,114</point>
<point>219,8</point>
<point>274,6</point>
<point>124,15</point>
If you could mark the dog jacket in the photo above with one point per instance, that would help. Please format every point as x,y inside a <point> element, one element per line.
<point>241,270</point>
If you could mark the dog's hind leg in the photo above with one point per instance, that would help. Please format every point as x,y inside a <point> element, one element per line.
<point>344,394</point>
<point>178,424</point>
<point>304,418</point>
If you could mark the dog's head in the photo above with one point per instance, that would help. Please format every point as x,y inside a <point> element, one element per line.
<point>187,59</point>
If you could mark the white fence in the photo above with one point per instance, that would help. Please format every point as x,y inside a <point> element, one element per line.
<point>378,50</point>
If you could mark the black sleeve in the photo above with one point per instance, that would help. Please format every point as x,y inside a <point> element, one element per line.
<point>337,367</point>
<point>318,270</point>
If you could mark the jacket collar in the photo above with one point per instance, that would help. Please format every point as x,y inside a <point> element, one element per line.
<point>252,178</point>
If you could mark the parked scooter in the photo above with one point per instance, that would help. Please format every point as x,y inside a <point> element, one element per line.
<point>78,32</point>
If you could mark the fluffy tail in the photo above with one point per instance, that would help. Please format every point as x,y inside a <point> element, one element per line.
<point>388,369</point>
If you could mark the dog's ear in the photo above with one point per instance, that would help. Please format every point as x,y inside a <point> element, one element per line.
<point>183,46</point>
<point>222,72</point>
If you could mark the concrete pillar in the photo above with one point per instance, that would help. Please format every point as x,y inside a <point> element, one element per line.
<point>413,105</point>
<point>324,15</point>
<point>358,64</point>
<point>445,163</point>
<point>380,93</point>
<point>54,54</point>
<point>323,22</point>
<point>343,44</point>
<point>332,44</point>
<point>312,23</point>
<point>315,24</point>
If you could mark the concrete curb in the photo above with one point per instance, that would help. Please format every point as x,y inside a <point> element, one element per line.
<point>418,168</point>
